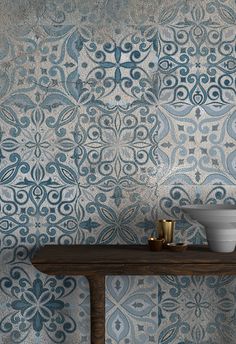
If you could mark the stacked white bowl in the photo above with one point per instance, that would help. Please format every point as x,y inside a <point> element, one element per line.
<point>219,221</point>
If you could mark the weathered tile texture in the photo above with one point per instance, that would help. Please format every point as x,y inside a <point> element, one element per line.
<point>113,114</point>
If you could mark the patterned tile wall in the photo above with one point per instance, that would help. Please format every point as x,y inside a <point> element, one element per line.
<point>113,114</point>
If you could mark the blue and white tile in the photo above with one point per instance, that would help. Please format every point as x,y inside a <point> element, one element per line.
<point>131,309</point>
<point>44,307</point>
<point>80,79</point>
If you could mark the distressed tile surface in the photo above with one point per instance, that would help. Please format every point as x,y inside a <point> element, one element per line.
<point>113,114</point>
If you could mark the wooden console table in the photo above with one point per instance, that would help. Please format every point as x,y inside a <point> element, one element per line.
<point>97,261</point>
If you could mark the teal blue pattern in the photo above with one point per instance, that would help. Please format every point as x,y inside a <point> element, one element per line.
<point>114,114</point>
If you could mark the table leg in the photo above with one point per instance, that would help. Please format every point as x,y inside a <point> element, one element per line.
<point>97,301</point>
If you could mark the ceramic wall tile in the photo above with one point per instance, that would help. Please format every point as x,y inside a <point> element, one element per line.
<point>170,309</point>
<point>113,114</point>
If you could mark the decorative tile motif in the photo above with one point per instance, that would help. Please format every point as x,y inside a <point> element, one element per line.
<point>25,310</point>
<point>43,305</point>
<point>113,114</point>
<point>170,309</point>
<point>131,298</point>
<point>202,310</point>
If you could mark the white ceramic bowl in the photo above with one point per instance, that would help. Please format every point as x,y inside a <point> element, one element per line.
<point>219,221</point>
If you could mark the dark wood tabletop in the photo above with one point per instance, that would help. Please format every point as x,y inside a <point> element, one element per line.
<point>97,261</point>
<point>131,259</point>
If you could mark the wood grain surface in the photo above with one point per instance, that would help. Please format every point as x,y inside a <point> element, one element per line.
<point>134,260</point>
<point>97,311</point>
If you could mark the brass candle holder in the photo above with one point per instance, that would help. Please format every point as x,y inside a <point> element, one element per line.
<point>179,247</point>
<point>155,244</point>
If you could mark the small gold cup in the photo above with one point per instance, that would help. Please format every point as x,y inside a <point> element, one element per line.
<point>155,244</point>
<point>166,230</point>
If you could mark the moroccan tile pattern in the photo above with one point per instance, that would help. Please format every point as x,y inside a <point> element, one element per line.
<point>113,114</point>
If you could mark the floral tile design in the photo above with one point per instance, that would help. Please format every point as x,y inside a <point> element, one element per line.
<point>170,309</point>
<point>130,298</point>
<point>32,302</point>
<point>113,114</point>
